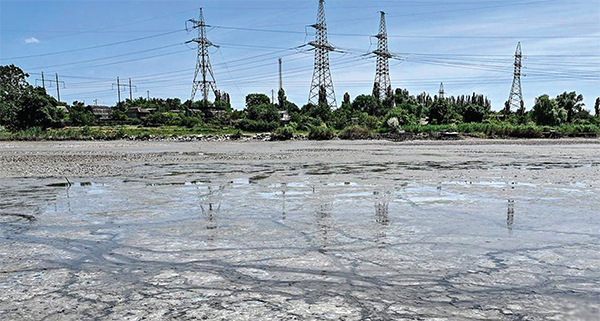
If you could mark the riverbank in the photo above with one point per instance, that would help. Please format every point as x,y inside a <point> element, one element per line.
<point>98,158</point>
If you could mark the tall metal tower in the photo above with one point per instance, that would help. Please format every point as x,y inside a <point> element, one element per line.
<point>516,93</point>
<point>203,67</point>
<point>442,92</point>
<point>382,84</point>
<point>321,89</point>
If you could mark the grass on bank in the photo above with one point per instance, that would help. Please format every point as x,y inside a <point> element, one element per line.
<point>482,130</point>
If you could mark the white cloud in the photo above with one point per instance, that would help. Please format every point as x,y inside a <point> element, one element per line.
<point>32,40</point>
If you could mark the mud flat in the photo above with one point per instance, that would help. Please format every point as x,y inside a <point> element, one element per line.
<point>365,230</point>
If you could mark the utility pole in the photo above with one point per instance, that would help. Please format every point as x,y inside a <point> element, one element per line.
<point>58,83</point>
<point>203,66</point>
<point>118,84</point>
<point>321,89</point>
<point>119,89</point>
<point>273,96</point>
<point>383,84</point>
<point>148,94</point>
<point>130,92</point>
<point>280,74</point>
<point>442,93</point>
<point>516,93</point>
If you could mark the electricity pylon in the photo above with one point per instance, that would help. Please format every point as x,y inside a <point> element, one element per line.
<point>321,89</point>
<point>203,66</point>
<point>442,92</point>
<point>516,93</point>
<point>382,88</point>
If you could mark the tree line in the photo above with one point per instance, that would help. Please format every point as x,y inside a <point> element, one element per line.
<point>24,106</point>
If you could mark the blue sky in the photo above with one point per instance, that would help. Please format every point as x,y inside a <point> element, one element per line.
<point>466,44</point>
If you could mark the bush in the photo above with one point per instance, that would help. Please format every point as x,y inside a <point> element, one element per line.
<point>283,133</point>
<point>257,125</point>
<point>190,122</point>
<point>320,133</point>
<point>355,132</point>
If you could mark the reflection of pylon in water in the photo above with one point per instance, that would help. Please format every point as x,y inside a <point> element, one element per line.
<point>210,204</point>
<point>510,219</point>
<point>321,89</point>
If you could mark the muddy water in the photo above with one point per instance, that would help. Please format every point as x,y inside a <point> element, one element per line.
<point>225,239</point>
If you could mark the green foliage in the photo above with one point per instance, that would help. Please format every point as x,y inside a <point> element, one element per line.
<point>340,118</point>
<point>572,103</point>
<point>368,104</point>
<point>355,132</point>
<point>283,133</point>
<point>257,125</point>
<point>546,112</point>
<point>321,111</point>
<point>368,121</point>
<point>264,112</point>
<point>79,115</point>
<point>473,113</point>
<point>403,116</point>
<point>441,112</point>
<point>22,105</point>
<point>320,133</point>
<point>119,115</point>
<point>257,99</point>
<point>190,122</point>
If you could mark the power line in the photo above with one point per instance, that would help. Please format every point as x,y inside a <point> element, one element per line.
<point>96,47</point>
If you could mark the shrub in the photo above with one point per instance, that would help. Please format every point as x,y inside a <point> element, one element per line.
<point>283,133</point>
<point>190,122</point>
<point>320,133</point>
<point>257,125</point>
<point>355,132</point>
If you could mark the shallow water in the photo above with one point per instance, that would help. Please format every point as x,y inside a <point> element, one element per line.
<point>361,241</point>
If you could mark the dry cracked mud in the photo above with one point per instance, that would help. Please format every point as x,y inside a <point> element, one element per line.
<point>470,230</point>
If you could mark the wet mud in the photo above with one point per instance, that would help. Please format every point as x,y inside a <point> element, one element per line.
<point>299,231</point>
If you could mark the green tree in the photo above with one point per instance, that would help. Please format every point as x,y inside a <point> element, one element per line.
<point>321,111</point>
<point>346,99</point>
<point>257,99</point>
<point>22,105</point>
<point>439,112</point>
<point>79,115</point>
<point>282,99</point>
<point>266,112</point>
<point>572,103</point>
<point>546,112</point>
<point>367,104</point>
<point>597,107</point>
<point>473,113</point>
<point>402,115</point>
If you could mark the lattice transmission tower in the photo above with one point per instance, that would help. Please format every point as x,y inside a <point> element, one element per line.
<point>516,93</point>
<point>204,77</point>
<point>321,89</point>
<point>382,88</point>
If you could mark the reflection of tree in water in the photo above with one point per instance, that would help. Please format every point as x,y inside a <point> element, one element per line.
<point>323,220</point>
<point>510,219</point>
<point>283,200</point>
<point>324,224</point>
<point>382,207</point>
